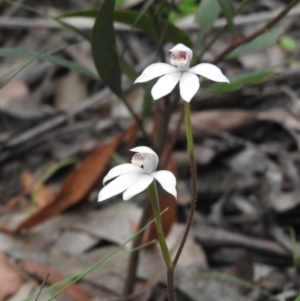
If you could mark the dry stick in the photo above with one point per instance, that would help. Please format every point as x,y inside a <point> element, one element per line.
<point>134,257</point>
<point>42,286</point>
<point>233,46</point>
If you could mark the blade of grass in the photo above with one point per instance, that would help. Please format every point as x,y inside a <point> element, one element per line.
<point>75,278</point>
<point>19,52</point>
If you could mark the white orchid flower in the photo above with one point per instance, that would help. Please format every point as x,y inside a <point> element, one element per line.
<point>189,84</point>
<point>136,177</point>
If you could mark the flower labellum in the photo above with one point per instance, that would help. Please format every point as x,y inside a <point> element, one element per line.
<point>136,177</point>
<point>179,71</point>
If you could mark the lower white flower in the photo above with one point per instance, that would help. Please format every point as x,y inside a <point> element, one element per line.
<point>189,84</point>
<point>136,177</point>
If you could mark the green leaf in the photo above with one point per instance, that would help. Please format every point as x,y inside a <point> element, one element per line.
<point>142,11</point>
<point>288,43</point>
<point>104,48</point>
<point>298,298</point>
<point>207,13</point>
<point>182,9</point>
<point>148,100</point>
<point>19,52</point>
<point>74,29</point>
<point>173,34</point>
<point>119,2</point>
<point>242,80</point>
<point>260,43</point>
<point>228,13</point>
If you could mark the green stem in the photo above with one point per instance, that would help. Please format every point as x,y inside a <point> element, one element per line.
<point>190,144</point>
<point>153,196</point>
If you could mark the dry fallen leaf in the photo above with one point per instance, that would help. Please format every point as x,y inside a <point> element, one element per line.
<point>43,196</point>
<point>71,90</point>
<point>12,91</point>
<point>10,280</point>
<point>75,292</point>
<point>79,183</point>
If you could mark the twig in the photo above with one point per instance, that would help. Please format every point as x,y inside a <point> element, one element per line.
<point>257,33</point>
<point>42,286</point>
<point>134,257</point>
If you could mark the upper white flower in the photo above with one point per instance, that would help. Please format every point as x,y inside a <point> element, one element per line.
<point>189,84</point>
<point>136,177</point>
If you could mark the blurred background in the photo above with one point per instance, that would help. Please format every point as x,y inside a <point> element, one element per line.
<point>64,123</point>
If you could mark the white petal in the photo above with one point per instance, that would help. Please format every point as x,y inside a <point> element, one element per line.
<point>167,180</point>
<point>155,70</point>
<point>189,85</point>
<point>151,160</point>
<point>181,65</point>
<point>120,170</point>
<point>165,85</point>
<point>117,186</point>
<point>209,71</point>
<point>138,186</point>
<point>181,47</point>
<point>143,150</point>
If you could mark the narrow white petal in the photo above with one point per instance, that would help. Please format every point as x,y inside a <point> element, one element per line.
<point>138,186</point>
<point>167,180</point>
<point>117,186</point>
<point>155,70</point>
<point>209,71</point>
<point>165,85</point>
<point>120,170</point>
<point>143,150</point>
<point>189,85</point>
<point>181,47</point>
<point>151,161</point>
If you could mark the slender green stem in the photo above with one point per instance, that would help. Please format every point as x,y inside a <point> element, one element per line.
<point>190,144</point>
<point>153,196</point>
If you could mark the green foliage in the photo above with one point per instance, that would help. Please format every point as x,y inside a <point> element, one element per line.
<point>261,43</point>
<point>296,259</point>
<point>242,80</point>
<point>142,11</point>
<point>228,13</point>
<point>172,34</point>
<point>104,48</point>
<point>207,13</point>
<point>297,298</point>
<point>183,8</point>
<point>19,52</point>
<point>143,22</point>
<point>288,43</point>
<point>119,2</point>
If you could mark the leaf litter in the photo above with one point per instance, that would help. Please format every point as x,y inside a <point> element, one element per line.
<point>247,152</point>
